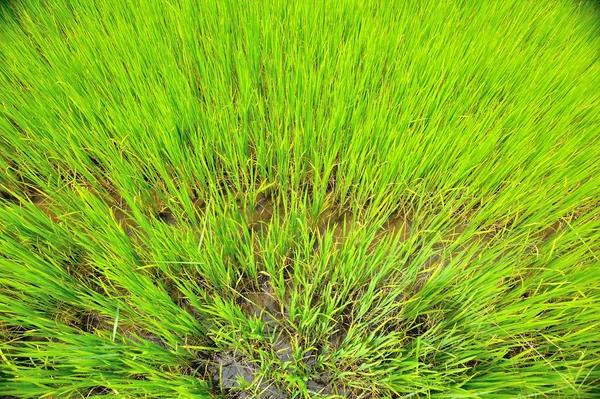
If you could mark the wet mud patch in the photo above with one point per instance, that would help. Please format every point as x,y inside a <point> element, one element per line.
<point>145,336</point>
<point>156,204</point>
<point>420,325</point>
<point>46,206</point>
<point>7,197</point>
<point>97,391</point>
<point>121,213</point>
<point>235,376</point>
<point>320,385</point>
<point>262,213</point>
<point>336,224</point>
<point>232,370</point>
<point>340,225</point>
<point>166,216</point>
<point>398,225</point>
<point>261,305</point>
<point>19,333</point>
<point>84,271</point>
<point>91,321</point>
<point>550,232</point>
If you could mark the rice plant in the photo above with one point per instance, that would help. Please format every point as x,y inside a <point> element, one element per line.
<point>299,199</point>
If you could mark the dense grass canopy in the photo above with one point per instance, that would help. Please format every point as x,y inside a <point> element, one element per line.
<point>294,199</point>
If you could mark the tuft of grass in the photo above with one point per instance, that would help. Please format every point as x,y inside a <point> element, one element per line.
<point>327,199</point>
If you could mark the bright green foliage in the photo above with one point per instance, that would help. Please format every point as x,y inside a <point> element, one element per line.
<point>360,199</point>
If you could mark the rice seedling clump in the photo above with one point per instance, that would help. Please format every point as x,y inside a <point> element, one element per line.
<point>296,199</point>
